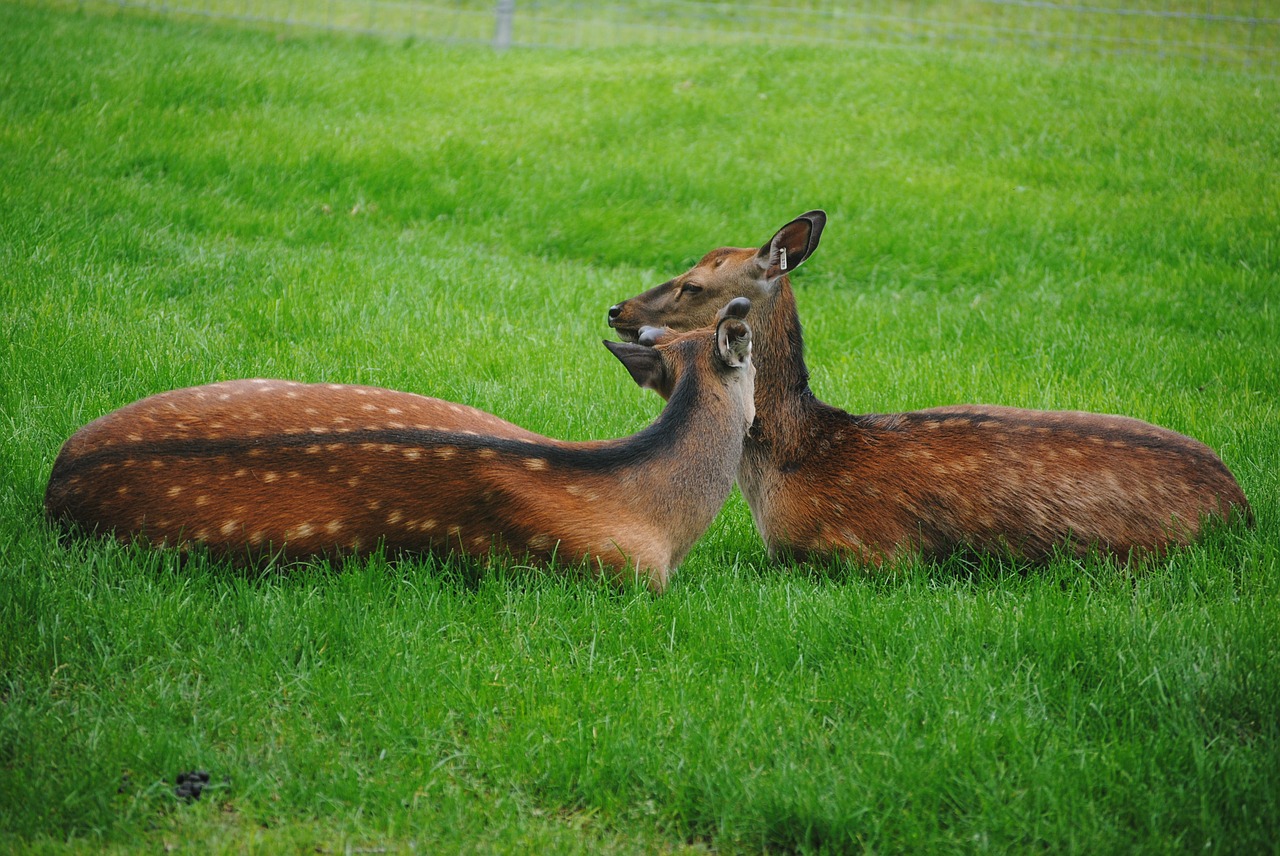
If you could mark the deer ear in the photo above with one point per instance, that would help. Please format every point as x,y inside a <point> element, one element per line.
<point>644,363</point>
<point>794,243</point>
<point>733,342</point>
<point>736,308</point>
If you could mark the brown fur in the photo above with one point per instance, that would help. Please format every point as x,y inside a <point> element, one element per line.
<point>823,481</point>
<point>251,466</point>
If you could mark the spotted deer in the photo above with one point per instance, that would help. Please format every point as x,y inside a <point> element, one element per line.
<point>248,467</point>
<point>820,481</point>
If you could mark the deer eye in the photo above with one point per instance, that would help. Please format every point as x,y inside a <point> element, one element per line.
<point>690,288</point>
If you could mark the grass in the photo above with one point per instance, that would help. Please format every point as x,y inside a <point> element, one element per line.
<point>1237,34</point>
<point>187,203</point>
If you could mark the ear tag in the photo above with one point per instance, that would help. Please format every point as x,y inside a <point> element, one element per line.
<point>782,258</point>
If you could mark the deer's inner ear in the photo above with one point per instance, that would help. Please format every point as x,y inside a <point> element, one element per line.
<point>733,342</point>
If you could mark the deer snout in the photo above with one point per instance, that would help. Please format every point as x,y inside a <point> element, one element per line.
<point>627,332</point>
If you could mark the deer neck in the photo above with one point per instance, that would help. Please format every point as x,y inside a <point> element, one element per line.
<point>682,466</point>
<point>784,400</point>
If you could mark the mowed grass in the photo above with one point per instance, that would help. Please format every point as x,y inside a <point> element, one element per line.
<point>187,203</point>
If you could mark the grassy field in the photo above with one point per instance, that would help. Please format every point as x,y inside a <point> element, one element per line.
<point>1229,34</point>
<point>186,203</point>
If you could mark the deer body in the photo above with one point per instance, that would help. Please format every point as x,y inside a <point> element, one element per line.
<point>822,481</point>
<point>311,469</point>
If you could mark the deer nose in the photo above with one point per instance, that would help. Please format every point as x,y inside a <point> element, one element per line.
<point>614,311</point>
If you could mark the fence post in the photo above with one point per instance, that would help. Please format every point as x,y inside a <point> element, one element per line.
<point>503,24</point>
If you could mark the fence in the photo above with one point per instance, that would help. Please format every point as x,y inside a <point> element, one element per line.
<point>1237,34</point>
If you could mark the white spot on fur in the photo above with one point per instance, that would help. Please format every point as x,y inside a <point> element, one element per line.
<point>175,490</point>
<point>202,499</point>
<point>333,526</point>
<point>229,528</point>
<point>412,453</point>
<point>270,477</point>
<point>395,517</point>
<point>446,452</point>
<point>535,463</point>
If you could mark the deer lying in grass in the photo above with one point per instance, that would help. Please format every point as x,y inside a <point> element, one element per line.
<point>994,479</point>
<point>251,466</point>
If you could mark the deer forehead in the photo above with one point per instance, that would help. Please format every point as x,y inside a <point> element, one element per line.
<point>725,256</point>
<point>722,267</point>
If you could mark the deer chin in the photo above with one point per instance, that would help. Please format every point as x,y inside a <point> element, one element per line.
<point>627,334</point>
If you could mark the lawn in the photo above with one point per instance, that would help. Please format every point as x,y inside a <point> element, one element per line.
<point>187,202</point>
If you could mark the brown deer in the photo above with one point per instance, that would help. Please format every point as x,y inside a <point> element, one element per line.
<point>821,481</point>
<point>247,467</point>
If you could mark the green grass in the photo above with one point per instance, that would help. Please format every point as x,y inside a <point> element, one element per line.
<point>185,203</point>
<point>1239,34</point>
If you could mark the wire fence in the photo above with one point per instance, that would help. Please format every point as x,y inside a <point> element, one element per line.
<point>1234,34</point>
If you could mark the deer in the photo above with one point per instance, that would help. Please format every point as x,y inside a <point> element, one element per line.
<point>244,468</point>
<point>969,479</point>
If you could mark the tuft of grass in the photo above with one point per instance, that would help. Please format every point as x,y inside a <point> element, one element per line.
<point>188,203</point>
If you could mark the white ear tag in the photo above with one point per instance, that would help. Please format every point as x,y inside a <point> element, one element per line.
<point>782,258</point>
